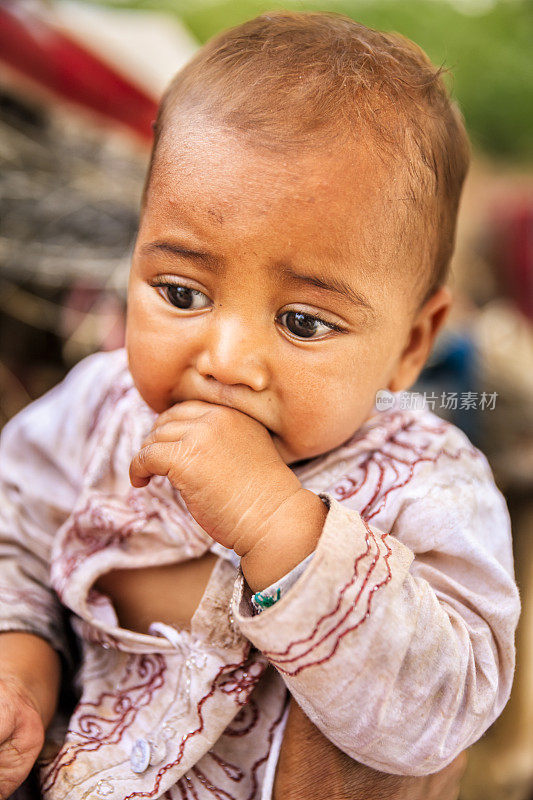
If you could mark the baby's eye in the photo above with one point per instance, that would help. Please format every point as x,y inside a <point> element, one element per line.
<point>184,297</point>
<point>305,326</point>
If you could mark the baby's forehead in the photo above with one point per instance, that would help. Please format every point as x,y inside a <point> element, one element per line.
<point>211,159</point>
<point>321,211</point>
<point>352,193</point>
<point>284,81</point>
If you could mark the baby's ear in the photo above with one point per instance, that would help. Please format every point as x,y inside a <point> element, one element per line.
<point>426,324</point>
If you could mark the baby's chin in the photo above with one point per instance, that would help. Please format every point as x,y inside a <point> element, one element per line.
<point>285,452</point>
<point>293,459</point>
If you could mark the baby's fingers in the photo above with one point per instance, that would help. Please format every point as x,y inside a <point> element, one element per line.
<point>169,432</point>
<point>154,459</point>
<point>187,410</point>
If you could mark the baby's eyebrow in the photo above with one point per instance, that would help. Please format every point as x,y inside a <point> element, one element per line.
<point>175,249</point>
<point>334,285</point>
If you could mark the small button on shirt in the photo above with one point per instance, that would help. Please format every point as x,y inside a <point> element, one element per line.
<point>140,756</point>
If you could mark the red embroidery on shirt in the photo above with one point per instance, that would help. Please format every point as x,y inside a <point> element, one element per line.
<point>390,467</point>
<point>94,730</point>
<point>234,687</point>
<point>93,528</point>
<point>278,658</point>
<point>216,791</point>
<point>233,772</point>
<point>109,405</point>
<point>249,710</point>
<point>263,758</point>
<point>238,774</point>
<point>41,605</point>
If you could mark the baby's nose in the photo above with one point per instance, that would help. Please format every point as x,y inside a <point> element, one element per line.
<point>233,355</point>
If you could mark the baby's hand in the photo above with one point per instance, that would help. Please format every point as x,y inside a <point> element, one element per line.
<point>21,734</point>
<point>225,465</point>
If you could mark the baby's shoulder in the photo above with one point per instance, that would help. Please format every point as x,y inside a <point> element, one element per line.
<point>400,457</point>
<point>69,411</point>
<point>105,383</point>
<point>98,373</point>
<point>416,476</point>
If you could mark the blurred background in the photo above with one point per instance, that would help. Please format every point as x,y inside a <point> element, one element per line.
<point>79,86</point>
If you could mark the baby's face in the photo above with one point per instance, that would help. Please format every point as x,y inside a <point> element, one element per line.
<point>269,283</point>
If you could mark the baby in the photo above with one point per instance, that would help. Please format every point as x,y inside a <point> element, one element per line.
<point>220,506</point>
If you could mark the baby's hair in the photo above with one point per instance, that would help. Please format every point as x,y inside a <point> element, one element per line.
<point>301,80</point>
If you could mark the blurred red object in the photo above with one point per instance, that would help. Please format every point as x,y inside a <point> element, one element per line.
<point>511,248</point>
<point>30,44</point>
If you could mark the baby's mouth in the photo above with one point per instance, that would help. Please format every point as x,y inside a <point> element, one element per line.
<point>218,401</point>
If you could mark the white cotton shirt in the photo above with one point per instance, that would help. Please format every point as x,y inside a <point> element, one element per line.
<point>397,639</point>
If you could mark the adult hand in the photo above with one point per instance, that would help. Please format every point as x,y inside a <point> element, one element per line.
<point>309,765</point>
<point>21,734</point>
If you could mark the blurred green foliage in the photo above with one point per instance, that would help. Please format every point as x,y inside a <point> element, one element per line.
<point>487,47</point>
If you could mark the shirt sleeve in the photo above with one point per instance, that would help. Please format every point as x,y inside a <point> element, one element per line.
<point>41,452</point>
<point>400,652</point>
<point>271,594</point>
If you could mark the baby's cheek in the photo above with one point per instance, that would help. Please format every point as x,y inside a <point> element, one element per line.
<point>308,440</point>
<point>337,423</point>
<point>148,383</point>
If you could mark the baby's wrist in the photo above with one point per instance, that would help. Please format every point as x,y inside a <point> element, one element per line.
<point>260,513</point>
<point>292,534</point>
